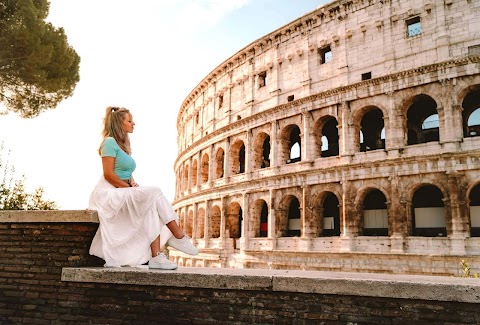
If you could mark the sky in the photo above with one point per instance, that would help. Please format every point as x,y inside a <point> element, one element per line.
<point>147,56</point>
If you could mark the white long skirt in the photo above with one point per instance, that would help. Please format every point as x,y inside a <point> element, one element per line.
<point>130,220</point>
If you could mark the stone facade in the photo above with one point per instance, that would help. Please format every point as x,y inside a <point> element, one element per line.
<point>348,139</point>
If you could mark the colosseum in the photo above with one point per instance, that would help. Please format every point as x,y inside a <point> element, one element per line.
<point>348,140</point>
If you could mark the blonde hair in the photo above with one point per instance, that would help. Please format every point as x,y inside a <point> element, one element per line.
<point>112,127</point>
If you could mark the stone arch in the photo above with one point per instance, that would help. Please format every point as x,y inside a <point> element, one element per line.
<point>326,207</point>
<point>374,208</point>
<point>288,217</point>
<point>291,146</point>
<point>205,168</point>
<point>261,151</point>
<point>471,112</point>
<point>194,172</point>
<point>423,120</point>
<point>214,224</point>
<point>200,223</point>
<point>234,220</point>
<point>219,164</point>
<point>325,132</point>
<point>180,261</point>
<point>370,127</point>
<point>189,224</point>
<point>237,157</point>
<point>474,208</point>
<point>178,183</point>
<point>185,176</point>
<point>180,179</point>
<point>182,220</point>
<point>259,220</point>
<point>428,211</point>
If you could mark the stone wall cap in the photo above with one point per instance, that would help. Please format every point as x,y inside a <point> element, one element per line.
<point>422,287</point>
<point>14,216</point>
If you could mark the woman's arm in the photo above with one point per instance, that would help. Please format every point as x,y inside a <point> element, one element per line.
<point>108,164</point>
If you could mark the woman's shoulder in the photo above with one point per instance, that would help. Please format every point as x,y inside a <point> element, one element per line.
<point>109,141</point>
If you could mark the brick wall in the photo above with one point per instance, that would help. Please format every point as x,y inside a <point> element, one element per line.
<point>34,252</point>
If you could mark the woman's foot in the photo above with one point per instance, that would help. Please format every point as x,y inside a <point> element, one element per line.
<point>161,262</point>
<point>183,244</point>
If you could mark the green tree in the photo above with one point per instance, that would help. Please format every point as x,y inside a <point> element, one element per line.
<point>13,195</point>
<point>38,68</point>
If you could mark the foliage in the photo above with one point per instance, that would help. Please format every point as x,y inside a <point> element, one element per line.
<point>38,68</point>
<point>13,195</point>
<point>466,271</point>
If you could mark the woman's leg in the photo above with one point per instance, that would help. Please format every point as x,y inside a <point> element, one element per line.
<point>155,247</point>
<point>175,229</point>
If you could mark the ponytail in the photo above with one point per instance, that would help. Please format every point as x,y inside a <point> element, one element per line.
<point>112,127</point>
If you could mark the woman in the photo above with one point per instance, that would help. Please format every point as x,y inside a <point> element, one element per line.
<point>135,221</point>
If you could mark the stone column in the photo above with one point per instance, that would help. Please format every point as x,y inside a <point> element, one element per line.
<point>223,215</point>
<point>206,224</point>
<point>409,217</point>
<point>273,145</point>
<point>190,171</point>
<point>248,153</point>
<point>345,136</point>
<point>211,165</point>
<point>226,163</point>
<point>459,218</point>
<point>396,218</point>
<point>308,216</point>
<point>395,134</point>
<point>307,147</point>
<point>245,222</point>
<point>348,216</point>
<point>199,169</point>
<point>450,116</point>
<point>272,220</point>
<point>306,220</point>
<point>194,222</point>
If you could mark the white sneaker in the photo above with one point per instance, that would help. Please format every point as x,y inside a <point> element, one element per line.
<point>183,245</point>
<point>161,262</point>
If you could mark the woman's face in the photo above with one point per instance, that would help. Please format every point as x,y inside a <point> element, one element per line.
<point>128,123</point>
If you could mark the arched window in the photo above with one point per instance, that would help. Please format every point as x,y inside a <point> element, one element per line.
<point>200,223</point>
<point>375,215</point>
<point>189,224</point>
<point>237,157</point>
<point>329,140</point>
<point>261,151</point>
<point>475,211</point>
<point>371,130</point>
<point>214,222</point>
<point>331,215</point>
<point>428,212</point>
<point>205,167</point>
<point>294,144</point>
<point>219,159</point>
<point>422,121</point>
<point>266,153</point>
<point>471,113</point>
<point>194,172</point>
<point>293,218</point>
<point>234,220</point>
<point>185,177</point>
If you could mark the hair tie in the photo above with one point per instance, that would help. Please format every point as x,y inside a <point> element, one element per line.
<point>114,109</point>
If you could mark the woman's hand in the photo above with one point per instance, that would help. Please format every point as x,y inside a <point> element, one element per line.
<point>133,183</point>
